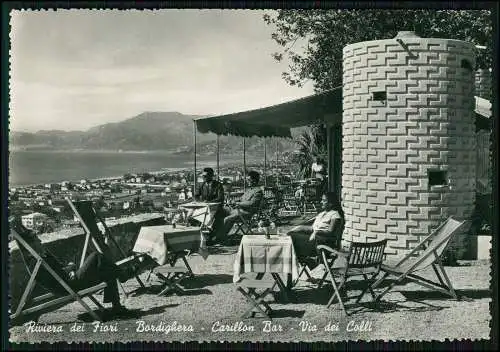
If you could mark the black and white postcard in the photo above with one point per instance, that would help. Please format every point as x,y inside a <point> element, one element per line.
<point>251,175</point>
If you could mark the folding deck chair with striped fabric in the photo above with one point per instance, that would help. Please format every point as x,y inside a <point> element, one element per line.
<point>89,218</point>
<point>49,301</point>
<point>426,253</point>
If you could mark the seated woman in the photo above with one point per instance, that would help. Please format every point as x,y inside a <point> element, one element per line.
<point>96,268</point>
<point>326,229</point>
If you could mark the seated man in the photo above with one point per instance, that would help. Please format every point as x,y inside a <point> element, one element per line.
<point>210,191</point>
<point>326,229</point>
<point>96,269</point>
<point>249,205</point>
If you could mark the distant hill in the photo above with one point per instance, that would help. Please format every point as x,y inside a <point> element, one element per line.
<point>171,131</point>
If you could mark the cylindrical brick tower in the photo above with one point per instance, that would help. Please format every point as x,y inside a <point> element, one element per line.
<point>408,138</point>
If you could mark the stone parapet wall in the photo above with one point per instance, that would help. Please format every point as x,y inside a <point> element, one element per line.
<point>67,246</point>
<point>408,114</point>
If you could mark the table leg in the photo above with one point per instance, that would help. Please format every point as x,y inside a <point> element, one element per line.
<point>283,288</point>
<point>259,276</point>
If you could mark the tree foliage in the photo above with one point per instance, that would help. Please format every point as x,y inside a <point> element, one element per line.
<point>311,143</point>
<point>326,32</point>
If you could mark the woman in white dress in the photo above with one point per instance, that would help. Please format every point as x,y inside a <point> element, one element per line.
<point>326,229</point>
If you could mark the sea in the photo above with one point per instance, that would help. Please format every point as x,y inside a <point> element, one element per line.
<point>28,167</point>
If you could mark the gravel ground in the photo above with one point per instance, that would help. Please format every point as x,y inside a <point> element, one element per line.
<point>212,302</point>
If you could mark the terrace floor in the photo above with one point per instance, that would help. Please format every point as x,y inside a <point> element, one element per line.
<point>211,300</point>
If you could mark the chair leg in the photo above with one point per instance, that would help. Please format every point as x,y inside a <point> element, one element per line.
<point>191,274</point>
<point>448,283</point>
<point>384,292</point>
<point>438,275</point>
<point>125,293</point>
<point>87,308</point>
<point>172,283</point>
<point>336,292</point>
<point>255,301</point>
<point>96,302</point>
<point>368,282</point>
<point>149,275</point>
<point>29,288</point>
<point>377,283</point>
<point>304,269</point>
<point>308,272</point>
<point>323,278</point>
<point>443,278</point>
<point>140,281</point>
<point>432,285</point>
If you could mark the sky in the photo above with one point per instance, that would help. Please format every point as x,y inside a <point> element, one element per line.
<point>75,69</point>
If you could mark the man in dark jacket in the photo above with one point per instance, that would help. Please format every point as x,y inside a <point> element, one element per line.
<point>210,190</point>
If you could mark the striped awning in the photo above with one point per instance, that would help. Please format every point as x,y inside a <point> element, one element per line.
<point>276,120</point>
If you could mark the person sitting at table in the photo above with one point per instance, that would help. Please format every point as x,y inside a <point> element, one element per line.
<point>210,190</point>
<point>246,207</point>
<point>326,229</point>
<point>96,268</point>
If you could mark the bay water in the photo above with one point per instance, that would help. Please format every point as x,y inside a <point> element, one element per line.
<point>35,167</point>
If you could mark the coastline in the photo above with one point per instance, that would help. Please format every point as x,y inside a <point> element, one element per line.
<point>228,161</point>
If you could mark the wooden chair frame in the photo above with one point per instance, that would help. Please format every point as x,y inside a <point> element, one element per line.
<point>244,223</point>
<point>257,305</point>
<point>92,233</point>
<point>49,300</point>
<point>432,247</point>
<point>363,259</point>
<point>171,274</point>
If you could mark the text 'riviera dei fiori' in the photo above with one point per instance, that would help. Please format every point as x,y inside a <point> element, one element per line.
<point>141,326</point>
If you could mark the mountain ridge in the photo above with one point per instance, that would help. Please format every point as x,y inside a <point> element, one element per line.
<point>148,131</point>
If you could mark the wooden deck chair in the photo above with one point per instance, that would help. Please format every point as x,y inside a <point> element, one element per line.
<point>172,274</point>
<point>89,218</point>
<point>304,269</point>
<point>428,253</point>
<point>246,221</point>
<point>48,301</point>
<point>363,259</point>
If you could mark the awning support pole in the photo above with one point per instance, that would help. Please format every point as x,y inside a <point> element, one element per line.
<point>265,162</point>
<point>194,148</point>
<point>329,146</point>
<point>244,165</point>
<point>277,168</point>
<point>218,166</point>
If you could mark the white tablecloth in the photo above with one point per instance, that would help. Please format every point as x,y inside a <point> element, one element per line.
<point>158,241</point>
<point>257,254</point>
